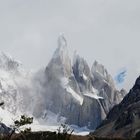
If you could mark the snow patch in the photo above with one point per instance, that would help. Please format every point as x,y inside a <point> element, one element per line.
<point>85,77</point>
<point>6,117</point>
<point>75,95</point>
<point>54,128</point>
<point>92,95</point>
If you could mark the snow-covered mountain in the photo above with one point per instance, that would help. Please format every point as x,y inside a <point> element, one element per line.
<point>82,95</point>
<point>65,90</point>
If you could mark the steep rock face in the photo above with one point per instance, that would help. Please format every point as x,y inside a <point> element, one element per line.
<point>104,83</point>
<point>62,91</point>
<point>76,92</point>
<point>91,104</point>
<point>92,113</point>
<point>123,119</point>
<point>101,78</point>
<point>82,73</point>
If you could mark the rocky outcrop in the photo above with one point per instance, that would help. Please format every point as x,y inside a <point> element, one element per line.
<point>124,119</point>
<point>4,129</point>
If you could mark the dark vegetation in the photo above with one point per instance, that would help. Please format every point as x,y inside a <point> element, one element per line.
<point>56,136</point>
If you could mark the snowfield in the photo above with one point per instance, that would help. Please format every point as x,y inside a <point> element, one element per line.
<point>38,125</point>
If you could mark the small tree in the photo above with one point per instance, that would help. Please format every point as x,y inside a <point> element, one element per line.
<point>64,132</point>
<point>24,120</point>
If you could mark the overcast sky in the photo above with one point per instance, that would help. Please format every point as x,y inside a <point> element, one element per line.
<point>105,30</point>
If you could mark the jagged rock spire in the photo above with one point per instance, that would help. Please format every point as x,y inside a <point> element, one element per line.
<point>61,60</point>
<point>62,42</point>
<point>61,50</point>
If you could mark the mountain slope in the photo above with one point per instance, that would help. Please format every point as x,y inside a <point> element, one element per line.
<point>124,119</point>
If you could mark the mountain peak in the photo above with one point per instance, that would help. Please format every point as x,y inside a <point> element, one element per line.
<point>99,68</point>
<point>61,60</point>
<point>80,66</point>
<point>99,72</point>
<point>61,50</point>
<point>62,42</point>
<point>7,62</point>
